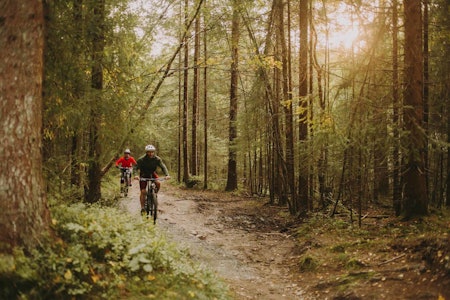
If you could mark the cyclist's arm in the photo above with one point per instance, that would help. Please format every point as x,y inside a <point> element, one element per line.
<point>164,168</point>
<point>118,162</point>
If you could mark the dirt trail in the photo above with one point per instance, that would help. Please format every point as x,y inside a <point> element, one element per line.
<point>223,234</point>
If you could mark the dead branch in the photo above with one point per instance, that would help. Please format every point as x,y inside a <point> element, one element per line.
<point>391,260</point>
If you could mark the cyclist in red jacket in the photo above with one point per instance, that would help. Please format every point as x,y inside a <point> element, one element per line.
<point>126,161</point>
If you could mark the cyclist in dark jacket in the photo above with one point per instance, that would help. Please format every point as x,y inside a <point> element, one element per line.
<point>147,165</point>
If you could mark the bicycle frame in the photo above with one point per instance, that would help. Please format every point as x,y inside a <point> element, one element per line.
<point>125,180</point>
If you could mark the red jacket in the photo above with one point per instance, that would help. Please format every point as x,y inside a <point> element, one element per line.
<point>126,163</point>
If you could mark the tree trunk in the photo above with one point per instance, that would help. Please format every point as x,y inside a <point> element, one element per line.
<point>195,99</point>
<point>25,215</point>
<point>448,149</point>
<point>396,193</point>
<point>303,108</point>
<point>98,44</point>
<point>205,105</point>
<point>77,89</point>
<point>232,159</point>
<point>446,95</point>
<point>185,99</point>
<point>287,99</point>
<point>426,89</point>
<point>416,197</point>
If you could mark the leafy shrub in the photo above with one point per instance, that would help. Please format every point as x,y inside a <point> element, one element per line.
<point>102,252</point>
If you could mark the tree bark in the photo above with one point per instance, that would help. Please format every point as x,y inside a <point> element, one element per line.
<point>185,98</point>
<point>416,198</point>
<point>303,106</point>
<point>232,159</point>
<point>195,99</point>
<point>25,217</point>
<point>205,105</point>
<point>396,165</point>
<point>93,193</point>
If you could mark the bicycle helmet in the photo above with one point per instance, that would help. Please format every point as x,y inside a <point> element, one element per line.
<point>150,148</point>
<point>127,151</point>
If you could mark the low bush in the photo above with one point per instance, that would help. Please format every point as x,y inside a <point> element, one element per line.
<point>102,252</point>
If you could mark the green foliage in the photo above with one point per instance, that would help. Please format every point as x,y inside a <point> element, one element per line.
<point>308,263</point>
<point>101,252</point>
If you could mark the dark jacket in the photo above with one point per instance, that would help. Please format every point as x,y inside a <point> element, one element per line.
<point>147,165</point>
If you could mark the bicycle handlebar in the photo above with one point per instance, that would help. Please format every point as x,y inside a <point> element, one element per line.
<point>151,179</point>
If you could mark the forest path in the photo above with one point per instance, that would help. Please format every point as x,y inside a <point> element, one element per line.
<point>228,235</point>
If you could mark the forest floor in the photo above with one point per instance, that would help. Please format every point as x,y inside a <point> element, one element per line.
<point>262,252</point>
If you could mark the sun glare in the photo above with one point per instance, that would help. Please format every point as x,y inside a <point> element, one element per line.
<point>343,27</point>
<point>344,38</point>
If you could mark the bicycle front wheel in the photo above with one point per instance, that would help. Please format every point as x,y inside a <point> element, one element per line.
<point>155,207</point>
<point>125,189</point>
<point>148,204</point>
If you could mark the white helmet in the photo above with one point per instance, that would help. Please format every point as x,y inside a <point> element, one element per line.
<point>127,151</point>
<point>150,148</point>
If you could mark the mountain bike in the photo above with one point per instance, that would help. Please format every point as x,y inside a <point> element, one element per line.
<point>125,180</point>
<point>151,201</point>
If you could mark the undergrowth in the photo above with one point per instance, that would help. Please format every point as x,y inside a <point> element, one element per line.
<point>384,252</point>
<point>102,252</point>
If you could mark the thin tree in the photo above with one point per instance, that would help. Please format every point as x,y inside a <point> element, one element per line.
<point>303,106</point>
<point>25,215</point>
<point>185,98</point>
<point>426,89</point>
<point>396,195</point>
<point>232,151</point>
<point>205,104</point>
<point>180,102</point>
<point>195,99</point>
<point>77,89</point>
<point>416,197</point>
<point>93,193</point>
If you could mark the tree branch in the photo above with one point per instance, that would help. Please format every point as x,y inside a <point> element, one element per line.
<point>157,87</point>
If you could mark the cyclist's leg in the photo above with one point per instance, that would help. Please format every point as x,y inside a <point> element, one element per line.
<point>158,184</point>
<point>142,197</point>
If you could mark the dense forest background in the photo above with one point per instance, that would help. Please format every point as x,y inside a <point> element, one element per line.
<point>312,103</point>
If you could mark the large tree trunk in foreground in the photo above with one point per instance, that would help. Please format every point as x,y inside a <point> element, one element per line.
<point>25,216</point>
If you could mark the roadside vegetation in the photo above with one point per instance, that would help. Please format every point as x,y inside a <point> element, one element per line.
<point>101,252</point>
<point>383,257</point>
